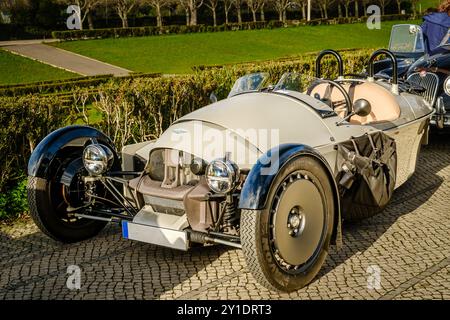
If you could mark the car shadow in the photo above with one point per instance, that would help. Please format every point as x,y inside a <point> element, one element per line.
<point>359,236</point>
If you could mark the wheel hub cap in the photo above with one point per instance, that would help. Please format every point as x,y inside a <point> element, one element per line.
<point>298,221</point>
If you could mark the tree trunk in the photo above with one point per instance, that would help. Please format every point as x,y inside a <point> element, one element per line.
<point>304,11</point>
<point>90,21</point>
<point>325,11</point>
<point>124,17</point>
<point>188,16</point>
<point>158,16</point>
<point>280,15</point>
<point>226,16</point>
<point>339,10</point>
<point>346,10</point>
<point>254,14</point>
<point>284,15</point>
<point>356,9</point>
<point>194,16</point>
<point>239,16</point>
<point>214,17</point>
<point>399,6</point>
<point>263,18</point>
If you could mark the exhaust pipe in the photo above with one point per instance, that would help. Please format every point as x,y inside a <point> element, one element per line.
<point>200,237</point>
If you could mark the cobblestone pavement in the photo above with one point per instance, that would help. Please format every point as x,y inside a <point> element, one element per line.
<point>409,242</point>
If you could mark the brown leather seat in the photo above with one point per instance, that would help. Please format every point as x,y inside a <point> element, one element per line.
<point>384,105</point>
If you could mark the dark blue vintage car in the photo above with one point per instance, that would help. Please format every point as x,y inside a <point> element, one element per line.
<point>419,69</point>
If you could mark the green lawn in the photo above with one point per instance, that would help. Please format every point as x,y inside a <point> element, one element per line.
<point>17,69</point>
<point>178,53</point>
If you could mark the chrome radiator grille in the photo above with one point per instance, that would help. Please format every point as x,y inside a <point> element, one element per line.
<point>430,82</point>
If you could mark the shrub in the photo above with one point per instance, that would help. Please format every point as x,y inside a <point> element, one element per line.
<point>14,202</point>
<point>25,121</point>
<point>275,24</point>
<point>64,86</point>
<point>126,32</point>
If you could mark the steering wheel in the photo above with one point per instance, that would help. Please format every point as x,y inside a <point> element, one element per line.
<point>347,101</point>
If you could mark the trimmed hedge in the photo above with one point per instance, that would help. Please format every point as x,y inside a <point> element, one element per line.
<point>180,29</point>
<point>25,121</point>
<point>152,31</point>
<point>13,31</point>
<point>349,20</point>
<point>306,56</point>
<point>133,109</point>
<point>65,86</point>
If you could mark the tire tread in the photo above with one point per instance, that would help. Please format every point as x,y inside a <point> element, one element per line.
<point>249,226</point>
<point>35,183</point>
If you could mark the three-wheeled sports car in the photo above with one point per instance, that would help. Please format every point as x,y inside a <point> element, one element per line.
<point>272,169</point>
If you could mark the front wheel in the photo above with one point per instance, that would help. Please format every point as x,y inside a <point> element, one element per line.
<point>49,201</point>
<point>286,244</point>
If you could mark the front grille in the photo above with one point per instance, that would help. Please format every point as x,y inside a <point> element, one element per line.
<point>430,82</point>
<point>171,167</point>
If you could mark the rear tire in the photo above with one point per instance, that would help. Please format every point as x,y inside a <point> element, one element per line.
<point>278,257</point>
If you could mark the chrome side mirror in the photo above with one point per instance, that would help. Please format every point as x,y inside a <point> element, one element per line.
<point>362,108</point>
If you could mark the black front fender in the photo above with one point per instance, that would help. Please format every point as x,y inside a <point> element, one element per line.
<point>42,157</point>
<point>259,181</point>
<point>257,185</point>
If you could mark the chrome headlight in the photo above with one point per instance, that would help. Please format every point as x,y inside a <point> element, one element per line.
<point>97,159</point>
<point>222,175</point>
<point>447,86</point>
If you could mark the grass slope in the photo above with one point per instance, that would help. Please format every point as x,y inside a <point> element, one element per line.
<point>179,53</point>
<point>16,69</point>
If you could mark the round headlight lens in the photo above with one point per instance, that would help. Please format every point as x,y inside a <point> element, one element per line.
<point>97,159</point>
<point>447,86</point>
<point>222,175</point>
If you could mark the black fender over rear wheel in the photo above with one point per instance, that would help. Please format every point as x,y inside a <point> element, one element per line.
<point>48,201</point>
<point>286,244</point>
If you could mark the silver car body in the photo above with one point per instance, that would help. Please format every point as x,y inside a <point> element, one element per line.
<point>292,114</point>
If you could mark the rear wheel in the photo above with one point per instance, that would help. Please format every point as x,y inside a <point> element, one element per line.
<point>286,244</point>
<point>49,200</point>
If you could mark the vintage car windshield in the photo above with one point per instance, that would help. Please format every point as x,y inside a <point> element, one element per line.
<point>250,82</point>
<point>290,81</point>
<point>294,81</point>
<point>407,38</point>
